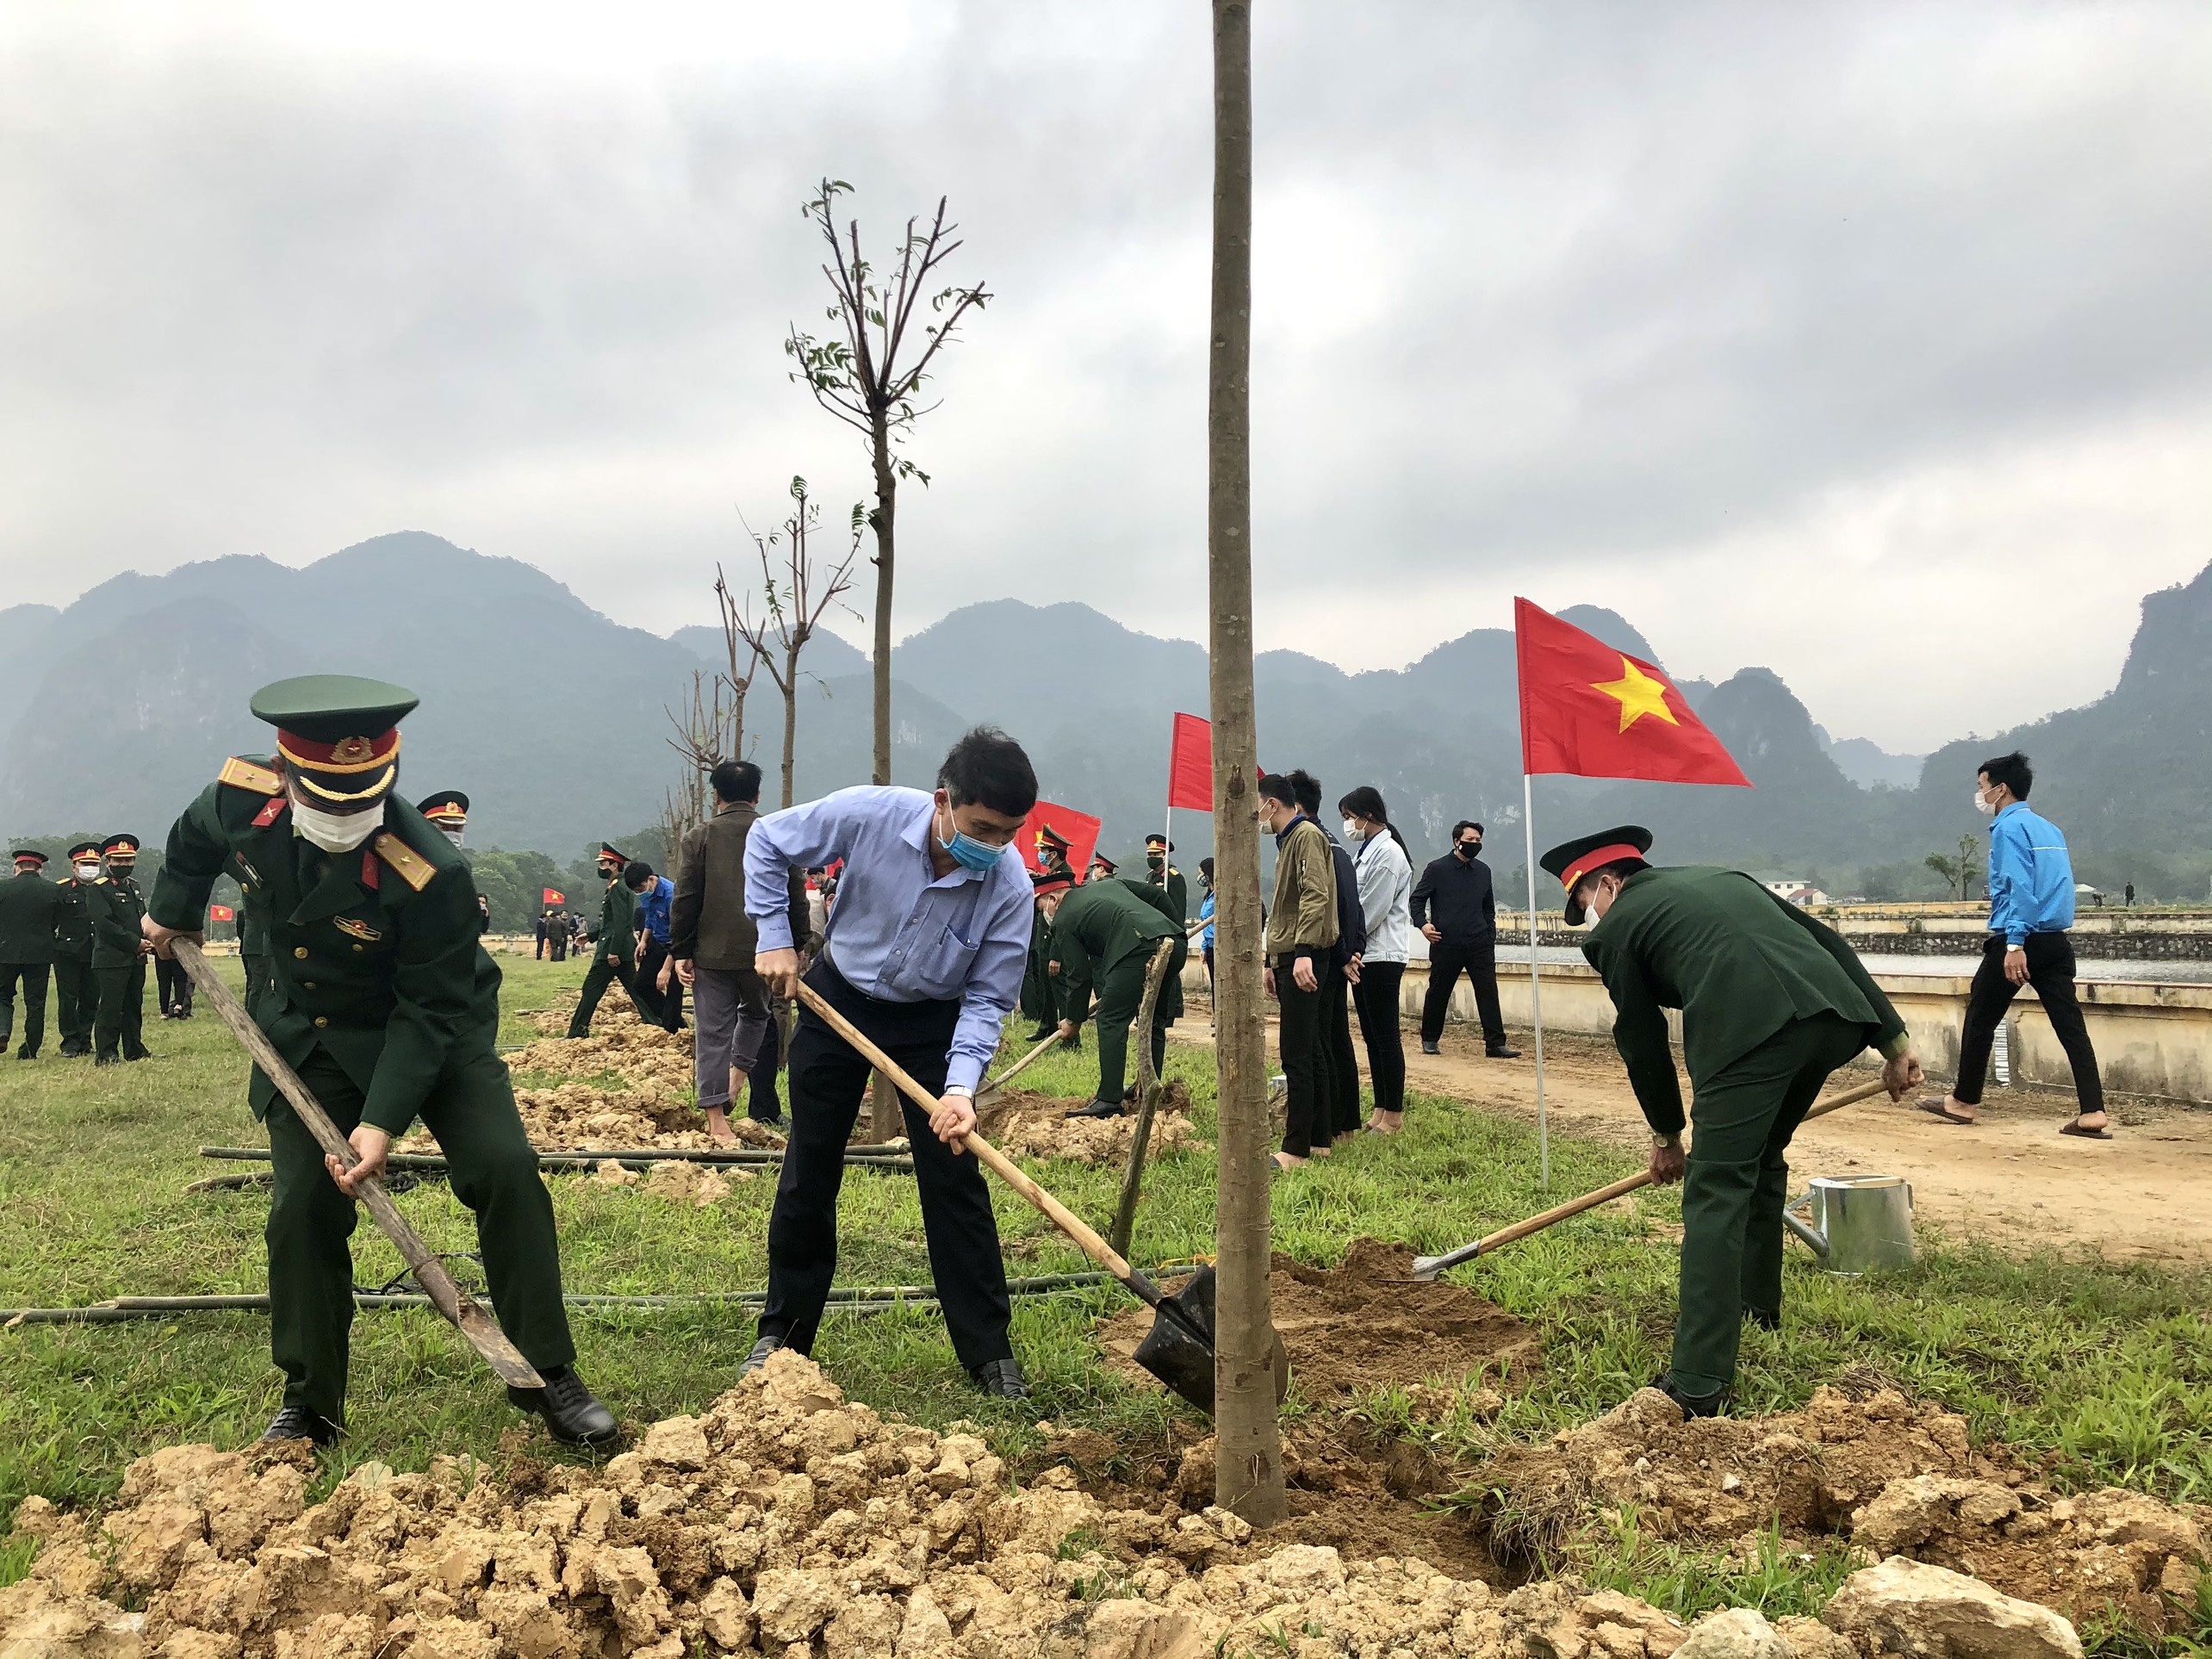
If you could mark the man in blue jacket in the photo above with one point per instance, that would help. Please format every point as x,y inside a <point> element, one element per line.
<point>2031,905</point>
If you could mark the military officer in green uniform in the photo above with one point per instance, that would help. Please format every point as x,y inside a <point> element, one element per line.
<point>381,999</point>
<point>29,909</point>
<point>118,954</point>
<point>1037,1001</point>
<point>1772,1001</point>
<point>614,944</point>
<point>75,994</point>
<point>1163,875</point>
<point>1104,934</point>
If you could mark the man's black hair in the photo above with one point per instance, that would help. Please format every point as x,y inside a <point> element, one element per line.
<point>636,873</point>
<point>1465,824</point>
<point>1277,788</point>
<point>986,768</point>
<point>1308,788</point>
<point>2012,771</point>
<point>734,781</point>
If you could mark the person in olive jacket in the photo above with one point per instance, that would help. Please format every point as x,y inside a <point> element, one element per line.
<point>119,953</point>
<point>614,948</point>
<point>1105,934</point>
<point>381,999</point>
<point>29,910</point>
<point>76,996</point>
<point>1772,1001</point>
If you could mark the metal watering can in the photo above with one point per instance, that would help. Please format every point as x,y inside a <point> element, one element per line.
<point>1859,1224</point>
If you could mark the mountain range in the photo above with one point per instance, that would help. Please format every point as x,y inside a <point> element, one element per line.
<point>553,718</point>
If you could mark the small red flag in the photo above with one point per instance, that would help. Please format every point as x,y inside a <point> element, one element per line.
<point>1080,828</point>
<point>553,896</point>
<point>1594,711</point>
<point>1191,764</point>
<point>221,913</point>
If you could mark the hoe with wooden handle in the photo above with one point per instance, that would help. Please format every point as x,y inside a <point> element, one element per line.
<point>449,1299</point>
<point>1427,1267</point>
<point>1179,1351</point>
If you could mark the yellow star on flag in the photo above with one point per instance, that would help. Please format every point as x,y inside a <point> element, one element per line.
<point>1638,694</point>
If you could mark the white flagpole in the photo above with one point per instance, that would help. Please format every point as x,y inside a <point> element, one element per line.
<point>1534,982</point>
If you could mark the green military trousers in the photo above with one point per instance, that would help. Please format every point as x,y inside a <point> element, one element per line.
<point>77,1001</point>
<point>1736,1186</point>
<point>601,974</point>
<point>494,1170</point>
<point>121,1021</point>
<point>1121,995</point>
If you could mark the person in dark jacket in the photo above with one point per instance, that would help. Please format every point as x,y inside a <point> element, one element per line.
<point>712,942</point>
<point>1454,908</point>
<point>616,938</point>
<point>76,996</point>
<point>1772,1001</point>
<point>30,910</point>
<point>1104,934</point>
<point>1343,974</point>
<point>118,954</point>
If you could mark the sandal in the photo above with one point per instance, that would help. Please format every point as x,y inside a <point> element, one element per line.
<point>1935,1106</point>
<point>2077,1128</point>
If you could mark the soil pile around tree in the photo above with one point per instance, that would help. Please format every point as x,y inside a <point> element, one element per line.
<point>1025,1125</point>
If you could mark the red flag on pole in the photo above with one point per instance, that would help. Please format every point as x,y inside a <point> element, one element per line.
<point>553,896</point>
<point>1594,711</point>
<point>1080,828</point>
<point>1191,764</point>
<point>221,913</point>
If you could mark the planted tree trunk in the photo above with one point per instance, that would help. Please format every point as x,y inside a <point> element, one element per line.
<point>1248,1468</point>
<point>886,510</point>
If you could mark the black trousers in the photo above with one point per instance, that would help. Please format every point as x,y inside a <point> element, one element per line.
<point>1337,1053</point>
<point>32,976</point>
<point>76,998</point>
<point>121,1021</point>
<point>1376,996</point>
<point>829,1080</point>
<point>1479,962</point>
<point>762,1104</point>
<point>2051,972</point>
<point>668,1005</point>
<point>172,989</point>
<point>1308,1114</point>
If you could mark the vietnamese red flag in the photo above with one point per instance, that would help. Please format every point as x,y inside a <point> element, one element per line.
<point>1191,764</point>
<point>1594,711</point>
<point>553,896</point>
<point>221,913</point>
<point>1080,828</point>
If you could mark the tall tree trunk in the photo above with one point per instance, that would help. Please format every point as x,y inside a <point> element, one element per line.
<point>1248,1466</point>
<point>790,717</point>
<point>886,510</point>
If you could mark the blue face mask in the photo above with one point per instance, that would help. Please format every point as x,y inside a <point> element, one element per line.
<point>967,852</point>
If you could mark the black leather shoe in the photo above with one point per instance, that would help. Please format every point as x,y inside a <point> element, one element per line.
<point>1001,1379</point>
<point>1501,1053</point>
<point>1767,1319</point>
<point>759,1356</point>
<point>106,1060</point>
<point>1693,1405</point>
<point>298,1423</point>
<point>1041,1034</point>
<point>1431,1049</point>
<point>1098,1109</point>
<point>27,1054</point>
<point>573,1414</point>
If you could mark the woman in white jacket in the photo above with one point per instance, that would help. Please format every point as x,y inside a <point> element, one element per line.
<point>1386,881</point>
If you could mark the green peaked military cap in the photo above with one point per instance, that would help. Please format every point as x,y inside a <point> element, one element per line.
<point>329,708</point>
<point>1571,861</point>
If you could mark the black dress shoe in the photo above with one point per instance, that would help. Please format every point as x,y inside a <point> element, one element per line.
<point>1098,1109</point>
<point>1693,1405</point>
<point>1041,1034</point>
<point>27,1054</point>
<point>1431,1049</point>
<point>298,1423</point>
<point>106,1060</point>
<point>1767,1319</point>
<point>759,1356</point>
<point>1501,1053</point>
<point>573,1414</point>
<point>1001,1379</point>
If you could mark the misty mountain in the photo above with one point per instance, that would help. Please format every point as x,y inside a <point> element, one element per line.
<point>1870,766</point>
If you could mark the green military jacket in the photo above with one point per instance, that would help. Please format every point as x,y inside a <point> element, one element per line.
<point>1739,962</point>
<point>116,906</point>
<point>72,921</point>
<point>374,955</point>
<point>29,907</point>
<point>1170,880</point>
<point>1101,924</point>
<point>617,931</point>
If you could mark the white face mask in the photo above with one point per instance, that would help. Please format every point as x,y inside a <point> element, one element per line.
<point>1982,804</point>
<point>86,872</point>
<point>1354,829</point>
<point>453,836</point>
<point>336,832</point>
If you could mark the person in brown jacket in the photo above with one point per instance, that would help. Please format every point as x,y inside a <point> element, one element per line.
<point>711,943</point>
<point>1301,929</point>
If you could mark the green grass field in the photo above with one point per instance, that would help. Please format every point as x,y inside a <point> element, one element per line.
<point>2108,1368</point>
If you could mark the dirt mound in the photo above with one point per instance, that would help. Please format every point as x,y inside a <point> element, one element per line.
<point>1864,1462</point>
<point>780,1519</point>
<point>1366,1324</point>
<point>1027,1124</point>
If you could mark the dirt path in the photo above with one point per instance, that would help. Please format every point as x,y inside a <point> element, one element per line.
<point>2013,1180</point>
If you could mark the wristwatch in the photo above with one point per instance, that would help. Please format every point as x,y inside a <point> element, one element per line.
<point>963,1090</point>
<point>1674,1139</point>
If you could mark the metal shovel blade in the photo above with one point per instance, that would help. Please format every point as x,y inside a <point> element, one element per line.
<point>1179,1349</point>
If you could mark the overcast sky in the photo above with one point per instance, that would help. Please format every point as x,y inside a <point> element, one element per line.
<point>1867,342</point>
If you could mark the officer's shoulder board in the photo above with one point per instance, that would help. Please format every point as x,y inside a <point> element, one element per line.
<point>244,774</point>
<point>407,864</point>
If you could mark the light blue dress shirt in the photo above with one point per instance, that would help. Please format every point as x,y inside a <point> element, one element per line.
<point>899,931</point>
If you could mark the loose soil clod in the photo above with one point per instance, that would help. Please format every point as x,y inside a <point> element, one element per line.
<point>1025,1125</point>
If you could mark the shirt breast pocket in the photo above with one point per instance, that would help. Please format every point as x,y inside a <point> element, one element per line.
<point>956,937</point>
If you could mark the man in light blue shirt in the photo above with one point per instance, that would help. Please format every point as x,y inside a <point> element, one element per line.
<point>923,953</point>
<point>2031,905</point>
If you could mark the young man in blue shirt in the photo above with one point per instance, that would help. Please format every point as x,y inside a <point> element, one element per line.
<point>924,952</point>
<point>659,988</point>
<point>2031,905</point>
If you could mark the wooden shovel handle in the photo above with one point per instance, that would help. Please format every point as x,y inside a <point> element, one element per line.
<point>997,1161</point>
